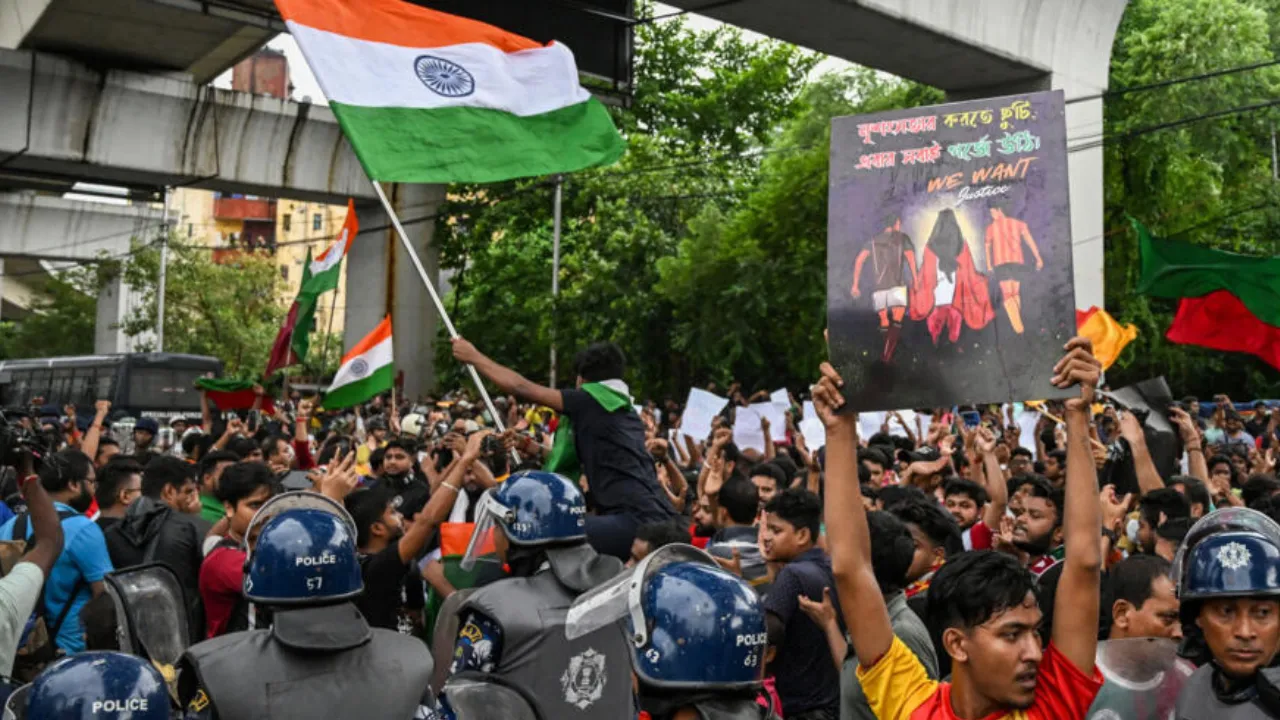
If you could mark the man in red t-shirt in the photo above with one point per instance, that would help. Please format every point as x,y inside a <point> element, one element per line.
<point>978,503</point>
<point>983,602</point>
<point>243,488</point>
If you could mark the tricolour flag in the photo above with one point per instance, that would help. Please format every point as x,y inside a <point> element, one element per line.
<point>327,266</point>
<point>428,97</point>
<point>366,370</point>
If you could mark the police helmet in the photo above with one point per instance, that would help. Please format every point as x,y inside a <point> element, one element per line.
<point>692,624</point>
<point>99,685</point>
<point>533,508</point>
<point>1234,552</point>
<point>303,556</point>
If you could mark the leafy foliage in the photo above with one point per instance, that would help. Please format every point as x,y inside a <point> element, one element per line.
<point>227,310</point>
<point>1207,182</point>
<point>61,321</point>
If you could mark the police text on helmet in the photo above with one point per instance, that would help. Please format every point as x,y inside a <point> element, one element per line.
<point>756,639</point>
<point>124,705</point>
<point>322,559</point>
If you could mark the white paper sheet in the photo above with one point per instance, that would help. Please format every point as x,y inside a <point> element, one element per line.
<point>777,419</point>
<point>895,427</point>
<point>1027,421</point>
<point>746,429</point>
<point>869,423</point>
<point>815,434</point>
<point>779,398</point>
<point>700,409</point>
<point>809,412</point>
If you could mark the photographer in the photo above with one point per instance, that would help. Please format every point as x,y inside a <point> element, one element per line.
<point>76,576</point>
<point>20,587</point>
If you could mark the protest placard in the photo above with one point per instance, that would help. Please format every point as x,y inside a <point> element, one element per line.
<point>777,417</point>
<point>700,408</point>
<point>747,433</point>
<point>949,270</point>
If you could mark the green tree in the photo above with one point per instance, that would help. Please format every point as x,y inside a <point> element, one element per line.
<point>750,285</point>
<point>1208,182</point>
<point>227,310</point>
<point>61,319</point>
<point>706,105</point>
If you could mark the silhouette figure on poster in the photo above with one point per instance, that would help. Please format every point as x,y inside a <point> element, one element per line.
<point>1004,239</point>
<point>950,291</point>
<point>893,263</point>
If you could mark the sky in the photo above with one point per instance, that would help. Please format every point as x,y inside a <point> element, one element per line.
<point>305,85</point>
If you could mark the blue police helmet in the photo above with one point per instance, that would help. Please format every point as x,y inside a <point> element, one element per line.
<point>99,685</point>
<point>1240,563</point>
<point>540,508</point>
<point>304,556</point>
<point>706,629</point>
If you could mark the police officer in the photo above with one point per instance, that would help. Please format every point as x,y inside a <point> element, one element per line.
<point>698,637</point>
<point>319,658</point>
<point>511,632</point>
<point>94,685</point>
<point>1228,570</point>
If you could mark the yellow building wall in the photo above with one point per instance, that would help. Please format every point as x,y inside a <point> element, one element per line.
<point>191,213</point>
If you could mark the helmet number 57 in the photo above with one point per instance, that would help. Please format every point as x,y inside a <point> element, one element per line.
<point>313,583</point>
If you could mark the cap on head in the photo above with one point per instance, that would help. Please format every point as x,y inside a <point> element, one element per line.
<point>541,508</point>
<point>706,629</point>
<point>99,685</point>
<point>148,424</point>
<point>303,557</point>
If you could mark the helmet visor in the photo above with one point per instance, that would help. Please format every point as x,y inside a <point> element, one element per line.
<point>1234,518</point>
<point>620,597</point>
<point>297,500</point>
<point>488,513</point>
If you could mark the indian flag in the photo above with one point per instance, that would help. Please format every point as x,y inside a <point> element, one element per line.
<point>428,97</point>
<point>327,266</point>
<point>366,370</point>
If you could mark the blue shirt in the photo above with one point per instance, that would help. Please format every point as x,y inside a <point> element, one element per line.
<point>84,560</point>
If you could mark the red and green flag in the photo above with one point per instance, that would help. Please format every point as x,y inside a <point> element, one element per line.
<point>294,338</point>
<point>1227,301</point>
<point>233,394</point>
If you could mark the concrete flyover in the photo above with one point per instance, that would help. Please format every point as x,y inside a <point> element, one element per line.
<point>198,37</point>
<point>971,49</point>
<point>63,121</point>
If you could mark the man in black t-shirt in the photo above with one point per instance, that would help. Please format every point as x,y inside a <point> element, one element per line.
<point>609,441</point>
<point>393,592</point>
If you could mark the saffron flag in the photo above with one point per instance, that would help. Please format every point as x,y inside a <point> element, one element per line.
<point>322,273</point>
<point>428,97</point>
<point>366,370</point>
<point>1109,337</point>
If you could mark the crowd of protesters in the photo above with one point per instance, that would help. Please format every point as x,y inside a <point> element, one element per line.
<point>960,549</point>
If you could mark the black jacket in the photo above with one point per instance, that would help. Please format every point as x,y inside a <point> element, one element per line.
<point>177,544</point>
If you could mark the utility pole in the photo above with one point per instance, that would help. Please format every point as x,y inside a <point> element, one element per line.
<point>164,261</point>
<point>555,273</point>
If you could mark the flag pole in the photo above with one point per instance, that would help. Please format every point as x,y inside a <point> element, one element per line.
<point>435,298</point>
<point>324,351</point>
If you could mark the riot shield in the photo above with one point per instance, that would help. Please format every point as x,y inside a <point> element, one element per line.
<point>1143,679</point>
<point>476,696</point>
<point>151,615</point>
<point>15,708</point>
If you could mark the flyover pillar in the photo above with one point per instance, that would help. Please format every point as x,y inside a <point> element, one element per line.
<point>381,279</point>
